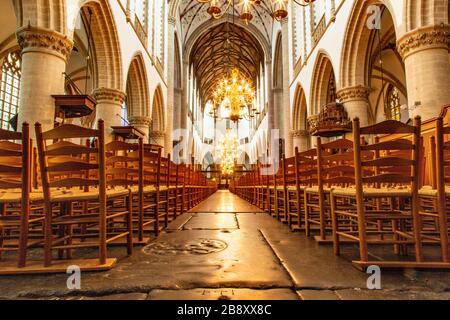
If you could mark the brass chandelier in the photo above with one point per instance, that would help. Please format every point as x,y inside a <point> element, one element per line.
<point>236,94</point>
<point>278,8</point>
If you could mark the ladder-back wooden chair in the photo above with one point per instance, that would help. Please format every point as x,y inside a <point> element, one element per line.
<point>306,168</point>
<point>173,190</point>
<point>124,169</point>
<point>385,193</point>
<point>21,217</point>
<point>290,189</point>
<point>281,192</point>
<point>334,169</point>
<point>151,183</point>
<point>64,230</point>
<point>435,218</point>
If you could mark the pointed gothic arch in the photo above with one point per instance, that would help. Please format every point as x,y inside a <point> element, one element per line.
<point>138,100</point>
<point>323,83</point>
<point>158,122</point>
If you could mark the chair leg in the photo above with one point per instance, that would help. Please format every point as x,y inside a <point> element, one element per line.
<point>23,240</point>
<point>334,222</point>
<point>129,217</point>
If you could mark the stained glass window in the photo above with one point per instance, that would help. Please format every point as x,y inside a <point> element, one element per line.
<point>393,104</point>
<point>9,89</point>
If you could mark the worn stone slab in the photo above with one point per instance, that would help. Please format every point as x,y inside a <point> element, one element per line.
<point>314,266</point>
<point>355,294</point>
<point>223,294</point>
<point>224,201</point>
<point>317,295</point>
<point>211,221</point>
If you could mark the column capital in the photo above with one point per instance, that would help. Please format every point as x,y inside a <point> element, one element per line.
<point>33,39</point>
<point>299,133</point>
<point>109,95</point>
<point>139,120</point>
<point>424,38</point>
<point>353,93</point>
<point>157,134</point>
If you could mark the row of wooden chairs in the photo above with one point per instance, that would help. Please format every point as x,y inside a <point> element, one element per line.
<point>366,191</point>
<point>87,194</point>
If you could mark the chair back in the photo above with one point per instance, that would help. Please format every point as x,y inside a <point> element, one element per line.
<point>393,163</point>
<point>64,164</point>
<point>124,164</point>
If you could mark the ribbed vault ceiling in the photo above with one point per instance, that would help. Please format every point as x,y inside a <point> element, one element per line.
<point>193,14</point>
<point>223,47</point>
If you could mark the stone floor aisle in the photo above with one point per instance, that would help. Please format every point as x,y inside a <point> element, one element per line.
<point>227,249</point>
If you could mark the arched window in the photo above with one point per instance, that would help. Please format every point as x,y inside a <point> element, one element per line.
<point>9,89</point>
<point>393,104</point>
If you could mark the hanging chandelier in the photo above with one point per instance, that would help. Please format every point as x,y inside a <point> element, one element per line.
<point>228,150</point>
<point>278,8</point>
<point>236,94</point>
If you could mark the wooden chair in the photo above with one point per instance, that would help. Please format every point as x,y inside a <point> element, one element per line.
<point>289,172</point>
<point>64,230</point>
<point>435,218</point>
<point>173,190</point>
<point>124,169</point>
<point>306,177</point>
<point>280,192</point>
<point>152,213</point>
<point>334,169</point>
<point>385,194</point>
<point>21,217</point>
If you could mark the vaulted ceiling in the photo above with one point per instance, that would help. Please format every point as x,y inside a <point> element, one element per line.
<point>223,47</point>
<point>226,45</point>
<point>193,14</point>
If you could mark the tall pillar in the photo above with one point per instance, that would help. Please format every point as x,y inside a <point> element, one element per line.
<point>143,124</point>
<point>170,85</point>
<point>356,102</point>
<point>44,57</point>
<point>300,140</point>
<point>286,107</point>
<point>425,53</point>
<point>185,96</point>
<point>271,115</point>
<point>109,105</point>
<point>177,107</point>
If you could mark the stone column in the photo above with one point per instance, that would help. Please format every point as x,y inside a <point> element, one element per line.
<point>44,57</point>
<point>271,115</point>
<point>185,96</point>
<point>425,53</point>
<point>177,106</point>
<point>356,102</point>
<point>109,104</point>
<point>300,140</point>
<point>158,137</point>
<point>143,124</point>
<point>286,107</point>
<point>170,85</point>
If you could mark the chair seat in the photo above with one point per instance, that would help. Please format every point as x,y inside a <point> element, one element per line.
<point>15,196</point>
<point>428,191</point>
<point>79,195</point>
<point>373,192</point>
<point>315,189</point>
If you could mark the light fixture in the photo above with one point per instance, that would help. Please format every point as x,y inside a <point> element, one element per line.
<point>278,8</point>
<point>236,94</point>
<point>228,149</point>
